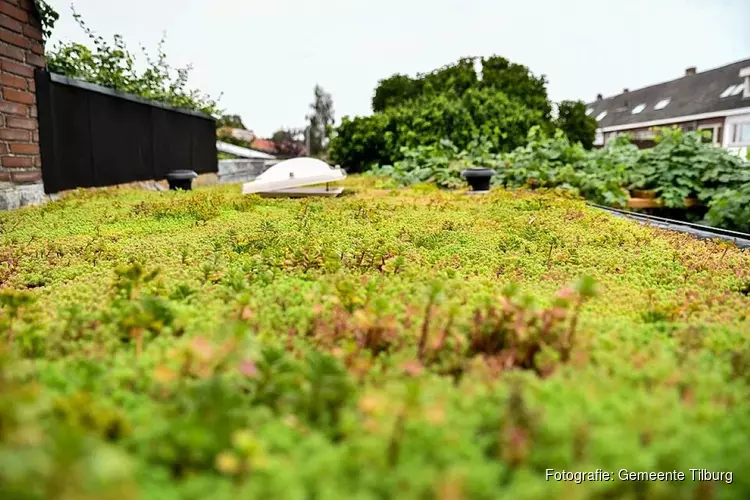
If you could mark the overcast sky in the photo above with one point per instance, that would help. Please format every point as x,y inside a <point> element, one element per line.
<point>266,57</point>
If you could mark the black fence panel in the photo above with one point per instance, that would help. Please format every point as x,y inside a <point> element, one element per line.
<point>93,136</point>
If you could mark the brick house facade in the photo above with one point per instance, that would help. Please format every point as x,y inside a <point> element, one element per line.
<point>21,52</point>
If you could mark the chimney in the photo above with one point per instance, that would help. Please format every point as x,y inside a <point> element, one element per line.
<point>625,91</point>
<point>599,97</point>
<point>691,71</point>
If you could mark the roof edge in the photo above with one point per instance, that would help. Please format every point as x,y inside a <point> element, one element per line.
<point>677,119</point>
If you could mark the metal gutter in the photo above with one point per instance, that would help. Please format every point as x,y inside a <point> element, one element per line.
<point>741,240</point>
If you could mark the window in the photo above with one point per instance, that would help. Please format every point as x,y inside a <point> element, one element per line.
<point>728,91</point>
<point>710,133</point>
<point>662,104</point>
<point>589,111</point>
<point>741,133</point>
<point>638,109</point>
<point>738,89</point>
<point>601,116</point>
<point>599,138</point>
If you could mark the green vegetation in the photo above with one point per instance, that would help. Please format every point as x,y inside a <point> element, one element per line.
<point>681,166</point>
<point>112,65</point>
<point>454,103</point>
<point>393,343</point>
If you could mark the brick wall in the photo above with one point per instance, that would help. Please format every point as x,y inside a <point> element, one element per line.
<point>21,52</point>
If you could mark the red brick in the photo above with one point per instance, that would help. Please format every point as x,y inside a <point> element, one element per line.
<point>14,39</point>
<point>15,2</point>
<point>11,24</point>
<point>18,96</point>
<point>18,69</point>
<point>35,136</point>
<point>13,81</point>
<point>32,84</point>
<point>32,33</point>
<point>11,52</point>
<point>32,111</point>
<point>2,121</point>
<point>36,60</point>
<point>26,5</point>
<point>38,161</point>
<point>17,161</point>
<point>4,176</point>
<point>27,176</point>
<point>24,149</point>
<point>36,47</point>
<point>22,123</point>
<point>14,12</point>
<point>3,148</point>
<point>9,134</point>
<point>13,108</point>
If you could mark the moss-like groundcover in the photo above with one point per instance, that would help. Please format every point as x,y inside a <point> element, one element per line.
<point>387,344</point>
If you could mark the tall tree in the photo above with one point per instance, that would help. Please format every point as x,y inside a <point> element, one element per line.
<point>572,120</point>
<point>320,121</point>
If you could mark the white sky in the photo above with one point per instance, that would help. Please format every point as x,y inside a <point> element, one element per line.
<point>266,57</point>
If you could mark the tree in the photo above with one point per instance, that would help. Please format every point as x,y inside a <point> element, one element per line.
<point>321,121</point>
<point>486,114</point>
<point>231,121</point>
<point>517,82</point>
<point>289,143</point>
<point>579,127</point>
<point>453,103</point>
<point>393,91</point>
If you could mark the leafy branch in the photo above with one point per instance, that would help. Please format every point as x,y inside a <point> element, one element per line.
<point>112,65</point>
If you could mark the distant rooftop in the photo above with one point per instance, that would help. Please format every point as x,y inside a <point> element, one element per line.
<point>696,93</point>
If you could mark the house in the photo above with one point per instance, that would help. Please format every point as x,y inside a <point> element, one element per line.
<point>265,145</point>
<point>238,133</point>
<point>21,54</point>
<point>717,100</point>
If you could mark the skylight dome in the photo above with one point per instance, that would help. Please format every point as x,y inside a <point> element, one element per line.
<point>294,173</point>
<point>662,104</point>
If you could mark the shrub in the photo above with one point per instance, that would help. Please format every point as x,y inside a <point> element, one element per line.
<point>380,139</point>
<point>452,103</point>
<point>112,65</point>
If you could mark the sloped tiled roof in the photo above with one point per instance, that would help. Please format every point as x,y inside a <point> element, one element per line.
<point>265,145</point>
<point>690,95</point>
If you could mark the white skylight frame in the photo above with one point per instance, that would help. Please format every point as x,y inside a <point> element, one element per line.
<point>728,91</point>
<point>589,111</point>
<point>638,108</point>
<point>738,89</point>
<point>601,116</point>
<point>663,103</point>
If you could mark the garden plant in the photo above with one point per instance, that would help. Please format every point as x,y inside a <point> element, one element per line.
<point>680,168</point>
<point>391,343</point>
